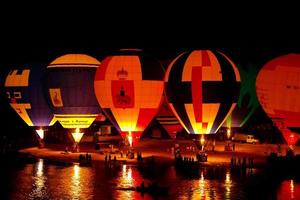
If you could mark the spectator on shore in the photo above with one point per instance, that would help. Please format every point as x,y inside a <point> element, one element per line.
<point>279,148</point>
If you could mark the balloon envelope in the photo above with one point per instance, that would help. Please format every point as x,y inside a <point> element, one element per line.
<point>278,91</point>
<point>129,88</point>
<point>70,80</point>
<point>24,89</point>
<point>202,88</point>
<point>168,120</point>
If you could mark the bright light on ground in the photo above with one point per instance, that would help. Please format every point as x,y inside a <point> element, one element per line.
<point>77,135</point>
<point>40,133</point>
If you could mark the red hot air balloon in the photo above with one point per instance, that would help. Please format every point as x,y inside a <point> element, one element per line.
<point>202,89</point>
<point>129,88</point>
<point>278,91</point>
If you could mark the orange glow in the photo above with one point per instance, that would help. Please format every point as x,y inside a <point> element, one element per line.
<point>77,135</point>
<point>209,114</point>
<point>202,186</point>
<point>76,182</point>
<point>127,125</point>
<point>39,179</point>
<point>40,133</point>
<point>80,60</point>
<point>40,168</point>
<point>292,188</point>
<point>202,140</point>
<point>228,184</point>
<point>125,95</point>
<point>126,180</point>
<point>228,133</point>
<point>129,138</point>
<point>290,137</point>
<point>126,177</point>
<point>76,172</point>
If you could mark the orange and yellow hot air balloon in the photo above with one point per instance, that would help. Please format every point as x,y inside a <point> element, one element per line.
<point>202,89</point>
<point>129,87</point>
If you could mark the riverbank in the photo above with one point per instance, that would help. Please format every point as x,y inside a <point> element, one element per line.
<point>161,151</point>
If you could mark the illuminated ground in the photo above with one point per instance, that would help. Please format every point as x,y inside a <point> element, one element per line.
<point>161,150</point>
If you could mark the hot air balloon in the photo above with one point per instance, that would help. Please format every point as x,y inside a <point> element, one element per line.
<point>247,101</point>
<point>202,89</point>
<point>168,120</point>
<point>129,87</point>
<point>24,91</point>
<point>70,91</point>
<point>278,91</point>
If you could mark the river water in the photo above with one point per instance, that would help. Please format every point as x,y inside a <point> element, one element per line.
<point>42,179</point>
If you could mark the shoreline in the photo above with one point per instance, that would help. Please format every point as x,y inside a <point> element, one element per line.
<point>161,153</point>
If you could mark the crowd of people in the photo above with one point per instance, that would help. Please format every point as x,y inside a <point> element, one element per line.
<point>87,158</point>
<point>242,162</point>
<point>108,158</point>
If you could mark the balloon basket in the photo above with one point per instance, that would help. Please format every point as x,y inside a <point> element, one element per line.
<point>130,153</point>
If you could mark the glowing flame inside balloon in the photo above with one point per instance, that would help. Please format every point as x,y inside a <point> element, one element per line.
<point>202,140</point>
<point>228,133</point>
<point>130,138</point>
<point>77,135</point>
<point>40,132</point>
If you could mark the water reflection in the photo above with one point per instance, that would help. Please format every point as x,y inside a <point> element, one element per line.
<point>39,189</point>
<point>75,183</point>
<point>126,181</point>
<point>289,190</point>
<point>228,184</point>
<point>40,167</point>
<point>45,181</point>
<point>129,178</point>
<point>212,183</point>
<point>292,189</point>
<point>202,186</point>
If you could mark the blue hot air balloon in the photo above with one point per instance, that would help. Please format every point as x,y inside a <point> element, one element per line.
<point>24,89</point>
<point>70,90</point>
